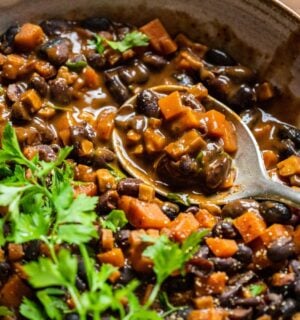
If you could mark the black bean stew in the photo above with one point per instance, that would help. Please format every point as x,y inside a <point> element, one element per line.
<point>81,240</point>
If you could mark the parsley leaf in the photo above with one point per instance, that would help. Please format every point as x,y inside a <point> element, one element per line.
<point>256,289</point>
<point>97,44</point>
<point>115,220</point>
<point>180,198</point>
<point>4,311</point>
<point>116,172</point>
<point>132,39</point>
<point>31,310</point>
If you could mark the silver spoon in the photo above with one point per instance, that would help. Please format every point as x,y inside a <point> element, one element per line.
<point>252,180</point>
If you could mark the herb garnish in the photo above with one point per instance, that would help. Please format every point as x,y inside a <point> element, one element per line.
<point>180,198</point>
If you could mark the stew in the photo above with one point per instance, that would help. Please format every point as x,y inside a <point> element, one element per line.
<point>79,239</point>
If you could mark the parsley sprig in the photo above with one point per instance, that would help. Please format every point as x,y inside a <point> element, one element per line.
<point>131,40</point>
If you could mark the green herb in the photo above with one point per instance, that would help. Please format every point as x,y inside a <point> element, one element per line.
<point>31,310</point>
<point>169,256</point>
<point>180,198</point>
<point>76,65</point>
<point>4,311</point>
<point>116,172</point>
<point>97,43</point>
<point>115,220</point>
<point>164,300</point>
<point>256,289</point>
<point>132,39</point>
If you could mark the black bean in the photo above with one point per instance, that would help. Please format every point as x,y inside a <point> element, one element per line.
<point>129,187</point>
<point>81,271</point>
<point>101,156</point>
<point>122,237</point>
<point>57,50</point>
<point>72,316</point>
<point>170,209</point>
<point>39,84</point>
<point>190,101</point>
<point>182,314</point>
<point>184,79</point>
<point>229,265</point>
<point>242,279</point>
<point>116,87</point>
<point>228,296</point>
<point>7,39</point>
<point>147,104</point>
<point>243,98</point>
<point>32,250</point>
<point>219,58</point>
<point>290,132</point>
<point>19,112</point>
<point>297,287</point>
<point>46,131</point>
<point>179,283</point>
<point>14,90</point>
<point>96,24</point>
<point>59,91</point>
<point>237,207</point>
<point>288,308</point>
<point>281,249</point>
<point>136,73</point>
<point>295,266</point>
<point>224,229</point>
<point>96,60</point>
<point>192,209</point>
<point>107,202</point>
<point>287,149</point>
<point>54,27</point>
<point>80,284</point>
<point>275,212</point>
<point>4,270</point>
<point>153,60</point>
<point>244,253</point>
<point>45,152</point>
<point>241,314</point>
<point>248,302</point>
<point>127,274</point>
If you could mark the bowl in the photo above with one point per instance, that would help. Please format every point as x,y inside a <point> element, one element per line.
<point>263,34</point>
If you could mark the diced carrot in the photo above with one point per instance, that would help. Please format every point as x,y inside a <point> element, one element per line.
<point>190,141</point>
<point>205,219</point>
<point>203,302</point>
<point>15,252</point>
<point>44,69</point>
<point>215,123</point>
<point>274,232</point>
<point>159,37</point>
<point>29,37</point>
<point>250,225</point>
<point>270,158</point>
<point>14,66</point>
<point>188,60</point>
<point>87,188</point>
<point>280,279</point>
<point>86,147</point>
<point>13,292</point>
<point>222,248</point>
<point>105,124</point>
<point>146,192</point>
<point>229,181</point>
<point>84,173</point>
<point>188,119</point>
<point>154,140</point>
<point>289,166</point>
<point>65,136</point>
<point>171,105</point>
<point>198,91</point>
<point>31,100</point>
<point>216,282</point>
<point>107,239</point>
<point>106,181</point>
<point>296,238</point>
<point>207,314</point>
<point>114,257</point>
<point>229,137</point>
<point>91,78</point>
<point>183,225</point>
<point>115,276</point>
<point>142,214</point>
<point>262,131</point>
<point>260,259</point>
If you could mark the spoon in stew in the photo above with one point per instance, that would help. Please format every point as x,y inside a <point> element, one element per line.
<point>252,180</point>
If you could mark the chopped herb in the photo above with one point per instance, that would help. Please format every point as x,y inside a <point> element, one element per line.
<point>60,108</point>
<point>116,172</point>
<point>256,289</point>
<point>164,300</point>
<point>180,198</point>
<point>76,65</point>
<point>115,220</point>
<point>97,43</point>
<point>4,311</point>
<point>132,39</point>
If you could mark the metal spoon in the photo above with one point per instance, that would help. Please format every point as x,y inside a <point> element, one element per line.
<point>252,180</point>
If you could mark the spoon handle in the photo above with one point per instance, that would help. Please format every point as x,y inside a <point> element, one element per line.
<point>271,190</point>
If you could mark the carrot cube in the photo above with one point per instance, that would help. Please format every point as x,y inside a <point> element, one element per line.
<point>171,105</point>
<point>222,248</point>
<point>114,257</point>
<point>183,225</point>
<point>29,37</point>
<point>205,219</point>
<point>273,233</point>
<point>215,123</point>
<point>289,166</point>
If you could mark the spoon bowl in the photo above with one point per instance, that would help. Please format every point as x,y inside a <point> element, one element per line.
<point>252,180</point>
